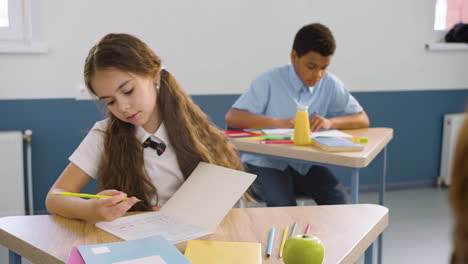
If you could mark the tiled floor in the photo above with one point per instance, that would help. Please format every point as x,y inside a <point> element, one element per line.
<point>419,229</point>
<point>420,226</point>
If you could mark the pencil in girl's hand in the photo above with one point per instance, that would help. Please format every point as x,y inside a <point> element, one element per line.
<point>84,195</point>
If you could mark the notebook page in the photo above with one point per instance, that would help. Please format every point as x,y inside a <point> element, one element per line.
<point>329,133</point>
<point>145,260</point>
<point>278,131</point>
<point>290,132</point>
<point>207,195</point>
<point>150,224</point>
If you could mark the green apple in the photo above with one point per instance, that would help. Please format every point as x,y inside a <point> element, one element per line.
<point>303,249</point>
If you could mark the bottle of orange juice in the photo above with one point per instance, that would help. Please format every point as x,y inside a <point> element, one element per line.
<point>302,127</point>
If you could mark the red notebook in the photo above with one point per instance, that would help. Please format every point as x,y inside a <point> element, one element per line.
<point>240,133</point>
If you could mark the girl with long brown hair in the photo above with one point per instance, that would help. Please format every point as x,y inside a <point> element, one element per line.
<point>152,140</point>
<point>458,194</point>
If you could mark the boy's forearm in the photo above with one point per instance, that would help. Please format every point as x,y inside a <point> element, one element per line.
<point>360,120</point>
<point>243,119</point>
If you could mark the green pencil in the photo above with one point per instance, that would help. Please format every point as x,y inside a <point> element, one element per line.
<point>277,137</point>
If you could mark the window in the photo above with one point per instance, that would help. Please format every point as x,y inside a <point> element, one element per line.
<point>450,12</point>
<point>16,22</point>
<point>440,14</point>
<point>16,28</point>
<point>4,13</point>
<point>447,14</point>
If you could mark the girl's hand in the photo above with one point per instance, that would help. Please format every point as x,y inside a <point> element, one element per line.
<point>156,208</point>
<point>109,209</point>
<point>317,122</point>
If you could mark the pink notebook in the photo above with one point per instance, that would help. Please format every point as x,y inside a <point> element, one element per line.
<point>75,257</point>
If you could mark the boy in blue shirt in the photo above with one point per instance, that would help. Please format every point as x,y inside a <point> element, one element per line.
<point>271,101</point>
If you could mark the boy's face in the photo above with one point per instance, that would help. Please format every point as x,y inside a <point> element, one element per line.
<point>310,67</point>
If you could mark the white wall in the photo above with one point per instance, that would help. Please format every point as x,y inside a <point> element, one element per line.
<point>218,47</point>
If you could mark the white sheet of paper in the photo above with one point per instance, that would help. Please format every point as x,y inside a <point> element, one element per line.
<point>195,210</point>
<point>145,260</point>
<point>207,195</point>
<point>278,131</point>
<point>152,223</point>
<point>330,133</point>
<point>290,132</point>
<point>100,250</point>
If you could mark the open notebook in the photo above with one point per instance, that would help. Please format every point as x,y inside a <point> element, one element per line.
<point>336,144</point>
<point>195,210</point>
<point>290,132</point>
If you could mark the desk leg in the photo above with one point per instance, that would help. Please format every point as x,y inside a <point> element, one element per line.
<point>369,255</point>
<point>13,258</point>
<point>383,178</point>
<point>382,201</point>
<point>354,185</point>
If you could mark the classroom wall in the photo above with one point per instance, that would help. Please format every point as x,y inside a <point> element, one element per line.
<point>218,47</point>
<point>215,48</point>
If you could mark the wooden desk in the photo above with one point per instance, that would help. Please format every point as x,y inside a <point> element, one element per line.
<point>346,231</point>
<point>378,140</point>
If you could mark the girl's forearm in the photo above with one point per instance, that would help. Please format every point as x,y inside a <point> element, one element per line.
<point>71,207</point>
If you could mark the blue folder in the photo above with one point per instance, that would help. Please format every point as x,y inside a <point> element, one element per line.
<point>139,250</point>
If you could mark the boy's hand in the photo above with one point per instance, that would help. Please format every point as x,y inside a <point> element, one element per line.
<point>317,122</point>
<point>284,122</point>
<point>109,209</point>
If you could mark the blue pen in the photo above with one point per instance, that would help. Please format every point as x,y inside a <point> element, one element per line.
<point>270,241</point>
<point>293,229</point>
<point>313,114</point>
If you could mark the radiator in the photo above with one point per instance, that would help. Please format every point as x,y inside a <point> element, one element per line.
<point>12,174</point>
<point>452,126</point>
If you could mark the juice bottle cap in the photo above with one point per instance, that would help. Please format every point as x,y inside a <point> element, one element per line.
<point>302,107</point>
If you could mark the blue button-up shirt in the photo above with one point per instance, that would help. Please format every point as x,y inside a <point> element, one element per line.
<point>276,94</point>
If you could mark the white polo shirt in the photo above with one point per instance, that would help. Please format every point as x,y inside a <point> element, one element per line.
<point>163,170</point>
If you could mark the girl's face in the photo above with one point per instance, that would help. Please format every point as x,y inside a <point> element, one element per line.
<point>130,97</point>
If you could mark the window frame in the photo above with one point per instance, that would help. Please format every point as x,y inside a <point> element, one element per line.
<point>18,37</point>
<point>438,42</point>
<point>19,19</point>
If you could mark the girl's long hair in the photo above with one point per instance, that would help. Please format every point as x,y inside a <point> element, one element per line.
<point>458,195</point>
<point>191,134</point>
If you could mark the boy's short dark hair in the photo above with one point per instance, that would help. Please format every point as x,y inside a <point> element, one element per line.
<point>314,37</point>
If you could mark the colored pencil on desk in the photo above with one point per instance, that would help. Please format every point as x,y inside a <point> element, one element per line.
<point>254,138</point>
<point>277,137</point>
<point>270,241</point>
<point>285,234</point>
<point>307,229</point>
<point>293,229</point>
<point>277,141</point>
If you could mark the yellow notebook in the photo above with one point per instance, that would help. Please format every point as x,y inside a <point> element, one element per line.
<point>216,252</point>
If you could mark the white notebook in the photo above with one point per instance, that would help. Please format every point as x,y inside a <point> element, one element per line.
<point>290,132</point>
<point>195,210</point>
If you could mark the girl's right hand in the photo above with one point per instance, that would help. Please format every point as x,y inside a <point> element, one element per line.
<point>109,209</point>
